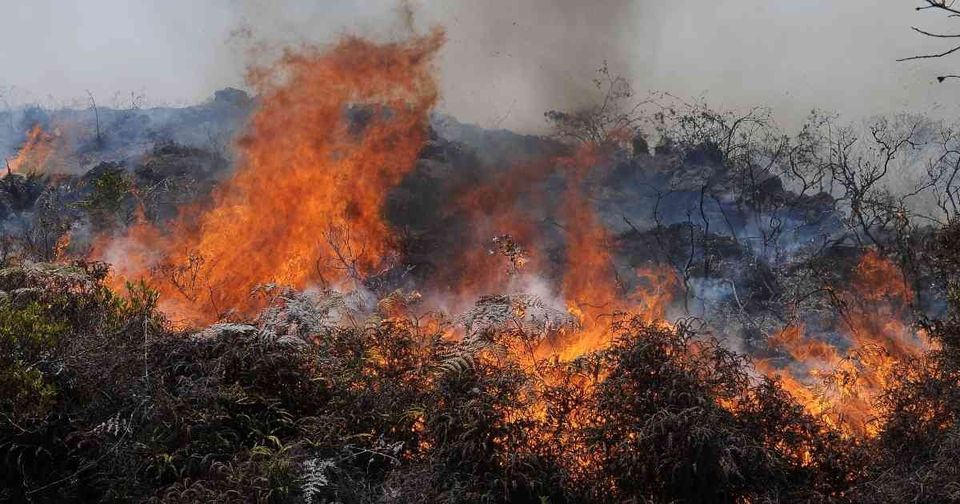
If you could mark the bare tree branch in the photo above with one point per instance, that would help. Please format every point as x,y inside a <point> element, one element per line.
<point>931,56</point>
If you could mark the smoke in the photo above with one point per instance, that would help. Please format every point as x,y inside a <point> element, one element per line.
<point>506,61</point>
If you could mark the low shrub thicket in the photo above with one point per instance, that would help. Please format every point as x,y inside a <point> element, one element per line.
<point>103,402</point>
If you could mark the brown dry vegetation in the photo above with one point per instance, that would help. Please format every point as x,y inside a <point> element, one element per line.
<point>102,403</point>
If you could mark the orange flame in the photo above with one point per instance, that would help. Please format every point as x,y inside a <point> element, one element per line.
<point>35,154</point>
<point>589,284</point>
<point>334,131</point>
<point>492,211</point>
<point>842,384</point>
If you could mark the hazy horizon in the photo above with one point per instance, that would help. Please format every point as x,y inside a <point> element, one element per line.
<point>505,62</point>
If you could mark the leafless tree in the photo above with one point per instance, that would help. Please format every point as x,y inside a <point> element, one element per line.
<point>951,10</point>
<point>943,171</point>
<point>96,113</point>
<point>615,119</point>
<point>860,169</point>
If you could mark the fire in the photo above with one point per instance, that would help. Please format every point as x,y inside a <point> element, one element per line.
<point>513,208</point>
<point>495,211</point>
<point>60,248</point>
<point>590,284</point>
<point>842,382</point>
<point>335,130</point>
<point>35,154</point>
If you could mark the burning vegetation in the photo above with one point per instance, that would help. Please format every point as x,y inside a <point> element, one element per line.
<point>370,303</point>
<point>333,133</point>
<point>36,153</point>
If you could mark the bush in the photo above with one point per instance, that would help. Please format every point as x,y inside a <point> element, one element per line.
<point>301,407</point>
<point>26,338</point>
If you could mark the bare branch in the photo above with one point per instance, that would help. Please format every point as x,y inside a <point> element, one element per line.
<point>931,56</point>
<point>935,35</point>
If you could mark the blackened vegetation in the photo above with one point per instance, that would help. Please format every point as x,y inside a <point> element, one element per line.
<point>317,400</point>
<point>37,211</point>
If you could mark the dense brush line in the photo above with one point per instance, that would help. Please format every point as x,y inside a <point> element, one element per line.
<point>102,402</point>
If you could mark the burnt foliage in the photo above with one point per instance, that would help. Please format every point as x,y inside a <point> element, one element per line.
<point>103,402</point>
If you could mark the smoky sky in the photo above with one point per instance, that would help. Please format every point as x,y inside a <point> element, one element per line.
<point>506,61</point>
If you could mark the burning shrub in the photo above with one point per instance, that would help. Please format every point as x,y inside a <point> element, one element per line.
<point>920,427</point>
<point>680,419</point>
<point>915,455</point>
